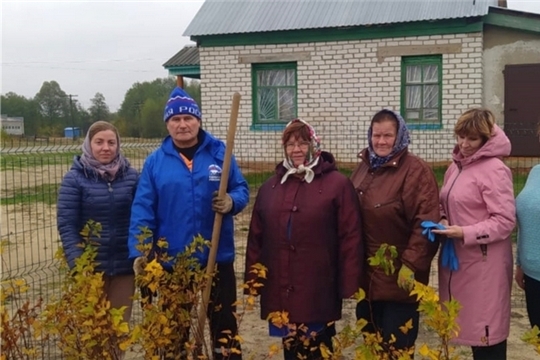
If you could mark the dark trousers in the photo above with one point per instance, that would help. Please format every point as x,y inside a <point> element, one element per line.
<point>493,352</point>
<point>532,299</point>
<point>221,312</point>
<point>294,348</point>
<point>386,317</point>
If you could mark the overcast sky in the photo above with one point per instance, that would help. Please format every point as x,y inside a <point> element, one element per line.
<point>90,47</point>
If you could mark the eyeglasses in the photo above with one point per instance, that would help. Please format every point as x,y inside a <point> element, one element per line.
<point>302,145</point>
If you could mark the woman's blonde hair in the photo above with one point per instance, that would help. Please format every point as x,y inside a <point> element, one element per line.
<point>102,126</point>
<point>477,122</point>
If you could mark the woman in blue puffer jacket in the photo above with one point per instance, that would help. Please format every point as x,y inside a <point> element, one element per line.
<point>100,186</point>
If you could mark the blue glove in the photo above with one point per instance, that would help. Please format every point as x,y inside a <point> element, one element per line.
<point>428,226</point>
<point>448,252</point>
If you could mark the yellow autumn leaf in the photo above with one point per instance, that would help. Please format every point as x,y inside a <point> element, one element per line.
<point>424,350</point>
<point>162,244</point>
<point>260,270</point>
<point>162,319</point>
<point>124,344</point>
<point>123,328</point>
<point>325,352</point>
<point>361,323</point>
<point>19,282</point>
<point>274,349</point>
<point>285,317</point>
<point>359,295</point>
<point>152,287</point>
<point>155,268</point>
<point>277,318</point>
<point>405,328</point>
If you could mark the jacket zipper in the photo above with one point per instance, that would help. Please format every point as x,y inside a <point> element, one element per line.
<point>111,198</point>
<point>448,194</point>
<point>483,248</point>
<point>450,221</point>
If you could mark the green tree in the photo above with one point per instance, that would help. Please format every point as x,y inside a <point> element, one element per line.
<point>121,125</point>
<point>99,110</point>
<point>152,119</point>
<point>134,102</point>
<point>193,88</point>
<point>18,106</point>
<point>55,109</point>
<point>82,117</point>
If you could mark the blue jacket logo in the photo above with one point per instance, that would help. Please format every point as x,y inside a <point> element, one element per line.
<point>214,173</point>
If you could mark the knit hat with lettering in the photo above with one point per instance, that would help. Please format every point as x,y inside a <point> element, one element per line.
<point>181,103</point>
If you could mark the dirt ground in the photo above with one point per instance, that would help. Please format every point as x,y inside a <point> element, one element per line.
<point>28,177</point>
<point>32,240</point>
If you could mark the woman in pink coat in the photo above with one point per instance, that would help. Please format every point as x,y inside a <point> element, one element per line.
<point>478,211</point>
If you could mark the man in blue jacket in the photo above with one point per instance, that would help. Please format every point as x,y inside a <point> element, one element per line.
<point>176,199</point>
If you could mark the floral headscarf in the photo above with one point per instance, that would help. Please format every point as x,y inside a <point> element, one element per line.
<point>402,141</point>
<point>312,158</point>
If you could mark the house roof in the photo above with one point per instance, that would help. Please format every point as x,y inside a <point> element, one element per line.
<point>189,55</point>
<point>253,16</point>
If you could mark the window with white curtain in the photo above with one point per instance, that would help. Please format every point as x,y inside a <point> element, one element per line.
<point>274,93</point>
<point>421,78</point>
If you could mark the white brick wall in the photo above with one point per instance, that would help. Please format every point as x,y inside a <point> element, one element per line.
<point>339,89</point>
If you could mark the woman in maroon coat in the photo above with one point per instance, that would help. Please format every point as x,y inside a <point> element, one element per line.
<point>305,228</point>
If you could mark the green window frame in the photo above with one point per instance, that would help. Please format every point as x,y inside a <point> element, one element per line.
<point>275,94</point>
<point>421,91</point>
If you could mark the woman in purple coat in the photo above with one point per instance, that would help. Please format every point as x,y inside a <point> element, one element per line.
<point>305,228</point>
<point>478,210</point>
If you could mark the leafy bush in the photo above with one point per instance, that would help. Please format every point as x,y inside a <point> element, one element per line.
<point>82,320</point>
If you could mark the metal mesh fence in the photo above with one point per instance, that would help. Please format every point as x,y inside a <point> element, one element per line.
<point>32,169</point>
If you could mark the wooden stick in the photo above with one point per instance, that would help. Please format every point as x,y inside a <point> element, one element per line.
<point>218,219</point>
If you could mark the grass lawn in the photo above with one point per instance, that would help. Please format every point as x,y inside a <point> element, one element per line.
<point>47,193</point>
<point>19,161</point>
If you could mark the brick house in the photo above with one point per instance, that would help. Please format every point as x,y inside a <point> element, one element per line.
<point>335,63</point>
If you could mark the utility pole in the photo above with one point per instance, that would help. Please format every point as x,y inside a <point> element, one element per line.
<point>71,114</point>
<point>138,105</point>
